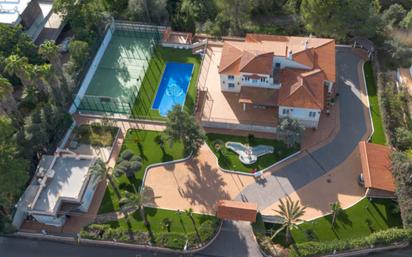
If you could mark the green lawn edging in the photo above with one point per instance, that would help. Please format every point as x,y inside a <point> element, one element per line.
<point>378,136</point>
<point>143,104</point>
<point>360,220</point>
<point>142,143</point>
<point>381,238</point>
<point>229,160</point>
<point>133,230</point>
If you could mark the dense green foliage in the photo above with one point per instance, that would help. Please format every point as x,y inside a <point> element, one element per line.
<point>13,168</point>
<point>402,171</point>
<point>378,136</point>
<point>146,144</point>
<point>95,134</point>
<point>33,95</point>
<point>174,235</point>
<point>230,160</point>
<point>340,19</point>
<point>182,127</point>
<point>380,238</point>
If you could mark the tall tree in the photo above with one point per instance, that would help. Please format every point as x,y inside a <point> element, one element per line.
<point>50,52</point>
<point>180,126</point>
<point>291,212</point>
<point>340,18</point>
<point>152,11</point>
<point>15,65</point>
<point>393,15</point>
<point>189,213</point>
<point>406,23</point>
<point>238,12</point>
<point>7,101</point>
<point>336,209</point>
<point>13,169</point>
<point>290,130</point>
<point>98,171</point>
<point>136,200</point>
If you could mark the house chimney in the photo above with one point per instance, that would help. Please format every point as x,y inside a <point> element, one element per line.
<point>290,55</point>
<point>306,43</point>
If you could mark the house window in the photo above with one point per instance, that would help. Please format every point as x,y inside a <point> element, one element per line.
<point>262,79</point>
<point>231,77</point>
<point>231,85</point>
<point>312,114</point>
<point>285,111</point>
<point>247,78</point>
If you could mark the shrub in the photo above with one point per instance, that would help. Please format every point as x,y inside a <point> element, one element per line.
<point>171,240</point>
<point>403,139</point>
<point>384,237</point>
<point>97,128</point>
<point>207,230</point>
<point>126,155</point>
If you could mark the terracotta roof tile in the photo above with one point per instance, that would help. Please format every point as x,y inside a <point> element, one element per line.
<point>261,96</point>
<point>233,210</point>
<point>256,62</point>
<point>376,166</point>
<point>302,89</point>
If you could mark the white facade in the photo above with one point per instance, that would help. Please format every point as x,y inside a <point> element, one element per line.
<point>308,117</point>
<point>230,83</point>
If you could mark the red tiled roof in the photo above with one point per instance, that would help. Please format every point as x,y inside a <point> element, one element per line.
<point>260,96</point>
<point>376,166</point>
<point>302,89</point>
<point>233,210</point>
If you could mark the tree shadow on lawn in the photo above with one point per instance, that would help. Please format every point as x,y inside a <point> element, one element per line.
<point>207,186</point>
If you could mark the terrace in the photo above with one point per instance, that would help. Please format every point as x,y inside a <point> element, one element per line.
<point>222,109</point>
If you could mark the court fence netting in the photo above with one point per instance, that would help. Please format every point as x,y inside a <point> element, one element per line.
<point>103,96</point>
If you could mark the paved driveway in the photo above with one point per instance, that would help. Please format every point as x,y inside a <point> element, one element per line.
<point>353,128</point>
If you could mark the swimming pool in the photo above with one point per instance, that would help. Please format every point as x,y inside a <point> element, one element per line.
<point>173,86</point>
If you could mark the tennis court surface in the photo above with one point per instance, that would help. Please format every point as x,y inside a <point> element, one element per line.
<point>123,65</point>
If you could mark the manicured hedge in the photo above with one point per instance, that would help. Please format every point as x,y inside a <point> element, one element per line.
<point>171,240</point>
<point>385,237</point>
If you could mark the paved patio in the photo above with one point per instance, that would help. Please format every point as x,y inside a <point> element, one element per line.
<point>339,184</point>
<point>224,107</point>
<point>197,183</point>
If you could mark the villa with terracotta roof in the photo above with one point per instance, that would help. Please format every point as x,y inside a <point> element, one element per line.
<point>292,76</point>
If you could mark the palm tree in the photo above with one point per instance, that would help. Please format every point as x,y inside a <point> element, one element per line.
<point>135,200</point>
<point>50,52</point>
<point>291,212</point>
<point>98,171</point>
<point>15,65</point>
<point>189,212</point>
<point>335,208</point>
<point>35,74</point>
<point>7,102</point>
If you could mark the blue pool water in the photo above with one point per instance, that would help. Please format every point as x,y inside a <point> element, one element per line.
<point>173,86</point>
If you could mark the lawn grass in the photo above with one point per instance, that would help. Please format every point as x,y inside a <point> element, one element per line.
<point>179,223</point>
<point>360,220</point>
<point>230,160</point>
<point>143,105</point>
<point>378,136</point>
<point>142,143</point>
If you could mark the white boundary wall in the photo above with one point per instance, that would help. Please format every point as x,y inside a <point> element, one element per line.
<point>92,69</point>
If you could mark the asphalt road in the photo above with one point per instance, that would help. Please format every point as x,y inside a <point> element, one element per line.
<point>18,247</point>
